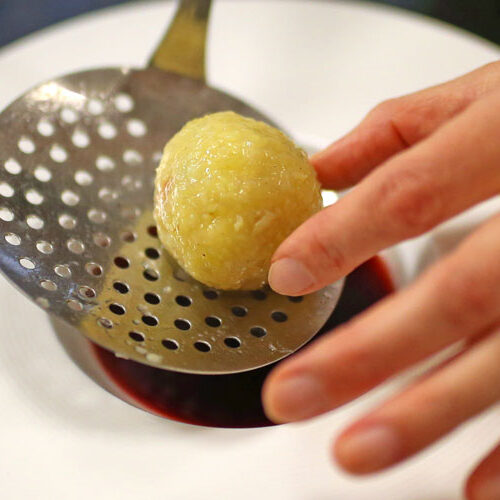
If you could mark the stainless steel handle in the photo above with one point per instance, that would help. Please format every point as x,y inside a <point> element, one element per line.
<point>182,50</point>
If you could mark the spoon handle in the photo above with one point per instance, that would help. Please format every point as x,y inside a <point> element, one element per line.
<point>182,50</point>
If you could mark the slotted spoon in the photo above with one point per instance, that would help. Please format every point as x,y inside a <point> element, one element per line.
<point>77,162</point>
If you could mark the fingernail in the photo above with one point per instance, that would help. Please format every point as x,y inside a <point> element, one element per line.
<point>368,449</point>
<point>290,277</point>
<point>488,489</point>
<point>296,398</point>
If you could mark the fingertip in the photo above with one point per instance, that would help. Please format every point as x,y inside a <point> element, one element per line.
<point>318,159</point>
<point>327,163</point>
<point>366,448</point>
<point>271,409</point>
<point>288,276</point>
<point>292,395</point>
<point>483,490</point>
<point>469,488</point>
<point>323,158</point>
<point>484,481</point>
<point>344,458</point>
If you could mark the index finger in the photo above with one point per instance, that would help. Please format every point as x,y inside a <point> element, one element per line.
<point>398,123</point>
<point>450,171</point>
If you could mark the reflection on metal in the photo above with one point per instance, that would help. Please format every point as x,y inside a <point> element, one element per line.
<point>183,47</point>
<point>77,164</point>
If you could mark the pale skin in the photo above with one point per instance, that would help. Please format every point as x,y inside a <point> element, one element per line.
<point>415,161</point>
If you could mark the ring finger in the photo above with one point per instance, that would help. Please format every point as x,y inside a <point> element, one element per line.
<point>484,482</point>
<point>425,412</point>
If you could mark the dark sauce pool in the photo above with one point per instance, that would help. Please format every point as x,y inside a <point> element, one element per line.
<point>231,400</point>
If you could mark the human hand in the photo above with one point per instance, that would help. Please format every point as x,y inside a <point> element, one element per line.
<point>418,160</point>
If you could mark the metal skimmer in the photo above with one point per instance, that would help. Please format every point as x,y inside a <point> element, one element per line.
<point>77,162</point>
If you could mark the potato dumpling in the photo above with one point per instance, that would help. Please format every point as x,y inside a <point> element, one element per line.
<point>228,191</point>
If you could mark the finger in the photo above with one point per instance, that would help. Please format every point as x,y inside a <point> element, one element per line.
<point>443,175</point>
<point>456,298</point>
<point>425,412</point>
<point>484,482</point>
<point>398,123</point>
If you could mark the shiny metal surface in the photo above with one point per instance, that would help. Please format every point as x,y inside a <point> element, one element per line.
<point>77,162</point>
<point>182,50</point>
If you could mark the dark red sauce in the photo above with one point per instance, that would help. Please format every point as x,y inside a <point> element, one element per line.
<point>231,400</point>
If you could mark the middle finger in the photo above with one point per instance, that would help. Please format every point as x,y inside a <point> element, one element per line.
<point>457,298</point>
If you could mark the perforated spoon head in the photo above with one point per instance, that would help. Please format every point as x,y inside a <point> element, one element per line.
<point>77,164</point>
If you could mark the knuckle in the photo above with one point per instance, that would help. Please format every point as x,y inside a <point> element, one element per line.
<point>326,253</point>
<point>467,299</point>
<point>386,109</point>
<point>391,118</point>
<point>408,202</point>
<point>417,117</point>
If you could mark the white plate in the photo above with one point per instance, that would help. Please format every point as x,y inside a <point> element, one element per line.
<point>316,67</point>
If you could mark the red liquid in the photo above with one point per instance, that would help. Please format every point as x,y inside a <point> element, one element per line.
<point>231,400</point>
